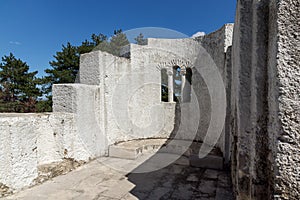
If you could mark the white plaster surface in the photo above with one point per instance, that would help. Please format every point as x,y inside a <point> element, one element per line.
<point>30,140</point>
<point>128,105</point>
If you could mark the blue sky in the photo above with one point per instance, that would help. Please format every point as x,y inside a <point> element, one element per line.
<point>33,30</point>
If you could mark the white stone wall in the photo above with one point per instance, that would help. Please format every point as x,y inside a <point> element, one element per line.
<point>129,93</point>
<point>129,100</point>
<point>265,108</point>
<point>30,140</point>
<point>251,171</point>
<point>217,44</point>
<point>284,94</point>
<point>83,101</point>
<point>166,52</point>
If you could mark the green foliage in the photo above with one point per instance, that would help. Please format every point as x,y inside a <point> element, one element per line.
<point>140,40</point>
<point>19,87</point>
<point>117,41</point>
<point>118,31</point>
<point>64,69</point>
<point>88,46</point>
<point>65,66</point>
<point>44,105</point>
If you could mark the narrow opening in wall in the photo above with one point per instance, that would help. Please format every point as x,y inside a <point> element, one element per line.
<point>176,81</point>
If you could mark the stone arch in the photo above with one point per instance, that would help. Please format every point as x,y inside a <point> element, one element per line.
<point>185,70</point>
<point>182,63</point>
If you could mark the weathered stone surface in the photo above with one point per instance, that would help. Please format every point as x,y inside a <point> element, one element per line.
<point>137,82</point>
<point>265,88</point>
<point>183,160</point>
<point>192,178</point>
<point>118,100</point>
<point>32,140</point>
<point>19,155</point>
<point>134,149</point>
<point>285,87</point>
<point>216,44</point>
<point>250,58</point>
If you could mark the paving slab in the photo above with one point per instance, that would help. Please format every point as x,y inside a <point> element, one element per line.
<point>210,161</point>
<point>100,180</point>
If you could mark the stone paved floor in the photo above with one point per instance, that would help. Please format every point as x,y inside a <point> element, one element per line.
<point>99,180</point>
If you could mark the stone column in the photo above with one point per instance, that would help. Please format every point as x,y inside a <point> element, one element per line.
<point>183,80</point>
<point>170,84</point>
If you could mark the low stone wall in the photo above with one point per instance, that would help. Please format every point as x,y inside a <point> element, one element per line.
<point>99,121</point>
<point>34,145</point>
<point>28,141</point>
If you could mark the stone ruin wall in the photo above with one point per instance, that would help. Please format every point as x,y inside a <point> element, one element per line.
<point>30,140</point>
<point>187,50</point>
<point>83,123</point>
<point>128,93</point>
<point>265,109</point>
<point>135,84</point>
<point>262,77</point>
<point>287,99</point>
<point>218,45</point>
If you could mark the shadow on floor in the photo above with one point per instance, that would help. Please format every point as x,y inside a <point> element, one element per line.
<point>180,181</point>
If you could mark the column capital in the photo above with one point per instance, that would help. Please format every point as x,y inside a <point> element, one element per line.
<point>183,71</point>
<point>170,72</point>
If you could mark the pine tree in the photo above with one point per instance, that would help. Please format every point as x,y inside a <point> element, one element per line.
<point>140,40</point>
<point>88,46</point>
<point>117,41</point>
<point>19,91</point>
<point>65,66</point>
